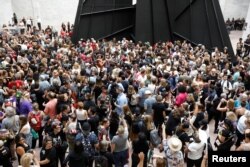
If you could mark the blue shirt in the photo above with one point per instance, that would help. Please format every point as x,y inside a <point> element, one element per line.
<point>120,102</point>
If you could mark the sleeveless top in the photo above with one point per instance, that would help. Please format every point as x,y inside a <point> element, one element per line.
<point>25,150</point>
<point>81,114</point>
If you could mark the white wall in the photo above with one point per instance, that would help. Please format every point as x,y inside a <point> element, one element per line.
<point>6,12</point>
<point>51,12</point>
<point>247,31</point>
<point>234,8</point>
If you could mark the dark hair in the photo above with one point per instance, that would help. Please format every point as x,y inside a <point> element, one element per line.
<point>78,148</point>
<point>182,89</point>
<point>46,139</point>
<point>18,137</point>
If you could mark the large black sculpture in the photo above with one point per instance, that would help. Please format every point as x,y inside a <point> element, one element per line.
<point>197,21</point>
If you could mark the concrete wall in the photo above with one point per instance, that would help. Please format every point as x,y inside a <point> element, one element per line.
<point>5,12</point>
<point>51,12</point>
<point>234,8</point>
<point>247,31</point>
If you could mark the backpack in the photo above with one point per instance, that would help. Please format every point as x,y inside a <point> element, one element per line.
<point>38,119</point>
<point>88,148</point>
<point>155,138</point>
<point>100,161</point>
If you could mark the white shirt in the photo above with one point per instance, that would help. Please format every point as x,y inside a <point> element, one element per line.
<point>196,150</point>
<point>81,114</point>
<point>241,126</point>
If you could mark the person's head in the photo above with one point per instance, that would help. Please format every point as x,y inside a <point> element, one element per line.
<point>10,111</point>
<point>51,95</point>
<point>86,127</point>
<point>105,122</point>
<point>20,138</point>
<point>159,98</point>
<point>104,89</point>
<point>247,135</point>
<point>174,144</point>
<point>27,160</point>
<point>88,96</point>
<point>185,126</point>
<point>48,142</point>
<point>160,162</point>
<point>223,135</point>
<point>243,97</point>
<point>23,120</point>
<point>148,121</point>
<point>231,116</point>
<point>230,104</point>
<point>126,109</point>
<point>120,130</point>
<point>35,106</point>
<point>56,126</point>
<point>196,137</point>
<point>92,110</point>
<point>131,89</point>
<point>103,145</point>
<point>80,105</point>
<point>182,89</point>
<point>147,93</point>
<point>119,88</point>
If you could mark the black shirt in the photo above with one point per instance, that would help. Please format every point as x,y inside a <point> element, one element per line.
<point>5,157</point>
<point>109,156</point>
<point>158,108</point>
<point>77,159</point>
<point>50,155</point>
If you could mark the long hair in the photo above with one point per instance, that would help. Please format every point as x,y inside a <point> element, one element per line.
<point>23,121</point>
<point>26,160</point>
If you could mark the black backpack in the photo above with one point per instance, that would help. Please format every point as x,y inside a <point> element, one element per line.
<point>100,161</point>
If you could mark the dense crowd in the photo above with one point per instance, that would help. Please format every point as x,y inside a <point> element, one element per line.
<point>236,24</point>
<point>118,102</point>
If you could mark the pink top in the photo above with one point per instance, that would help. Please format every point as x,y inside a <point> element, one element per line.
<point>180,98</point>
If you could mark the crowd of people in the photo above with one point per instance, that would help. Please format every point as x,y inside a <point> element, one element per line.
<point>118,103</point>
<point>236,24</point>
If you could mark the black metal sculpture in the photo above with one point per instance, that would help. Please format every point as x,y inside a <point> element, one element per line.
<point>197,21</point>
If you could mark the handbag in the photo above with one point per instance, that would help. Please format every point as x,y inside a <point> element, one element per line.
<point>34,134</point>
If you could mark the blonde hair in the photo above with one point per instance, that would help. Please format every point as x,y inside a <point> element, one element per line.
<point>120,130</point>
<point>26,159</point>
<point>230,104</point>
<point>148,121</point>
<point>131,89</point>
<point>231,116</point>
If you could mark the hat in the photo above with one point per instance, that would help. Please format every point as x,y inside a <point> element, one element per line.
<point>174,144</point>
<point>1,143</point>
<point>86,126</point>
<point>147,92</point>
